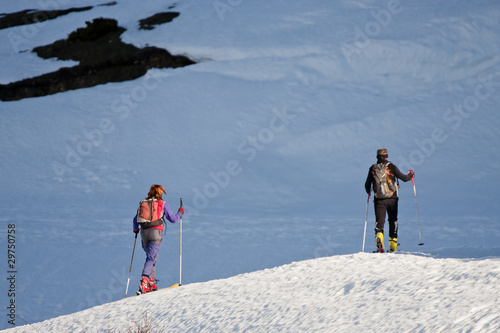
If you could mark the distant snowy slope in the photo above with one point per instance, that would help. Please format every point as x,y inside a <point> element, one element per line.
<point>268,140</point>
<point>350,293</point>
<point>410,85</point>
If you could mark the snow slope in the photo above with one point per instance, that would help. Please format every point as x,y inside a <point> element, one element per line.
<point>267,139</point>
<point>349,293</point>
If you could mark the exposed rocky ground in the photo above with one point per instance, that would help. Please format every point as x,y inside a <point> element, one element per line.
<point>101,54</point>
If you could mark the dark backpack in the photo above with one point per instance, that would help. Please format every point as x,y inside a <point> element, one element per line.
<point>384,185</point>
<point>150,213</point>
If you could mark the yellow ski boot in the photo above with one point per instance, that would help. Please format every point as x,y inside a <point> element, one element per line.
<point>379,239</point>
<point>393,244</point>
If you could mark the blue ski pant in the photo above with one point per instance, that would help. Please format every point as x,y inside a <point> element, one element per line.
<point>151,242</point>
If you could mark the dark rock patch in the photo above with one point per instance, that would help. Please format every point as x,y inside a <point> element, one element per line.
<point>157,19</point>
<point>102,56</point>
<point>111,3</point>
<point>30,16</point>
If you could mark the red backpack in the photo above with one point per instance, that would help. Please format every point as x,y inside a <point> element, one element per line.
<point>150,213</point>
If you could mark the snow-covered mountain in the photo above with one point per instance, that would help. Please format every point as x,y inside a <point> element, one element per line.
<point>268,140</point>
<point>349,293</point>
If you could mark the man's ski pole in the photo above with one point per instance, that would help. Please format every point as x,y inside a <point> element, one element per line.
<point>130,269</point>
<point>366,220</point>
<point>180,253</point>
<point>416,207</point>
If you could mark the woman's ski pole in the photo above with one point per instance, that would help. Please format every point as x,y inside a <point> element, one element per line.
<point>180,253</point>
<point>130,269</point>
<point>366,220</point>
<point>416,207</point>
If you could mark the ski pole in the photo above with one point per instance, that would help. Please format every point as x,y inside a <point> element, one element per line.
<point>180,253</point>
<point>366,220</point>
<point>130,269</point>
<point>416,207</point>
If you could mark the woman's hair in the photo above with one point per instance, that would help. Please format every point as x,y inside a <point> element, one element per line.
<point>156,192</point>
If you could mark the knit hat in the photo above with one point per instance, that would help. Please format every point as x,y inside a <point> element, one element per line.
<point>382,152</point>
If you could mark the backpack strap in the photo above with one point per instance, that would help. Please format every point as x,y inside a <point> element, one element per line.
<point>394,171</point>
<point>162,218</point>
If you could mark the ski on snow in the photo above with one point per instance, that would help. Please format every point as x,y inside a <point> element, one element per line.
<point>138,293</point>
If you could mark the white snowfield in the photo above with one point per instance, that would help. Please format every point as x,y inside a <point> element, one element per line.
<point>268,140</point>
<point>362,292</point>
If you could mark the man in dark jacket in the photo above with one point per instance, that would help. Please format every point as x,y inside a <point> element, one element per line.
<point>383,175</point>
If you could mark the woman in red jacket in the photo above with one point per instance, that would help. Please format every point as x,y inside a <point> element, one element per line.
<point>152,236</point>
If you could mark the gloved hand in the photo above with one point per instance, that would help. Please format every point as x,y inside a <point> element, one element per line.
<point>181,210</point>
<point>412,174</point>
<point>136,231</point>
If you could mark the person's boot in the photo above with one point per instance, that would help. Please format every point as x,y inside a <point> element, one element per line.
<point>152,284</point>
<point>379,239</point>
<point>144,287</point>
<point>393,244</point>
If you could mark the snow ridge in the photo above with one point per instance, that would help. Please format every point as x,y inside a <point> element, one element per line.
<point>351,293</point>
<point>423,83</point>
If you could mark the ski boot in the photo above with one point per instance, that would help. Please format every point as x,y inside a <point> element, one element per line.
<point>393,244</point>
<point>152,284</point>
<point>144,287</point>
<point>379,239</point>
